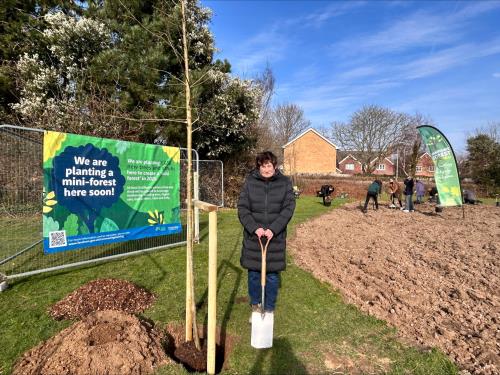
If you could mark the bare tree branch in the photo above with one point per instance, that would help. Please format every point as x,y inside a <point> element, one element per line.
<point>161,35</point>
<point>288,121</point>
<point>373,132</point>
<point>146,119</point>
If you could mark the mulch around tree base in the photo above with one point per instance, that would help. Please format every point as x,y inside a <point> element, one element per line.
<point>102,294</point>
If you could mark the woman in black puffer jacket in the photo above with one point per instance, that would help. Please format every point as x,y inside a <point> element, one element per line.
<point>265,207</point>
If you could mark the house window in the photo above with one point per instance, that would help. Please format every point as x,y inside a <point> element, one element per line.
<point>381,167</point>
<point>431,168</point>
<point>349,167</point>
<point>419,168</point>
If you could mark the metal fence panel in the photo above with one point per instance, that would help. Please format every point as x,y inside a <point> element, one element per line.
<point>21,185</point>
<point>211,182</point>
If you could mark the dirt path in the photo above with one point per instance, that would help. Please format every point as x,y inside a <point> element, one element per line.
<point>434,277</point>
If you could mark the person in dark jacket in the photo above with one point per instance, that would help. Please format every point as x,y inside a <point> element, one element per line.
<point>433,195</point>
<point>265,207</point>
<point>374,190</point>
<point>409,185</point>
<point>470,197</point>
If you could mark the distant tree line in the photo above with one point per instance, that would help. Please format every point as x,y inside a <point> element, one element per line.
<point>375,132</point>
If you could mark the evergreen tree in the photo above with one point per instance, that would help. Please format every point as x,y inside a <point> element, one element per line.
<point>483,162</point>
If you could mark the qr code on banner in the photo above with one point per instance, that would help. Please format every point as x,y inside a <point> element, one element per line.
<point>57,238</point>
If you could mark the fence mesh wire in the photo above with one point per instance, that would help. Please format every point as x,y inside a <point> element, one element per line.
<point>211,182</point>
<point>21,185</point>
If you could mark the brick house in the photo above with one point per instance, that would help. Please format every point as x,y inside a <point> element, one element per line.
<point>384,167</point>
<point>309,153</point>
<point>350,165</point>
<point>425,166</point>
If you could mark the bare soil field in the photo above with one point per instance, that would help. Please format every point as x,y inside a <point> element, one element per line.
<point>436,277</point>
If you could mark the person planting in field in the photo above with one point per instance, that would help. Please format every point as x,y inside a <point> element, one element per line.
<point>470,197</point>
<point>395,193</point>
<point>433,195</point>
<point>265,206</point>
<point>374,190</point>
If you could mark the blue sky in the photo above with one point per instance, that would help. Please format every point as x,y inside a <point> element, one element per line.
<point>440,58</point>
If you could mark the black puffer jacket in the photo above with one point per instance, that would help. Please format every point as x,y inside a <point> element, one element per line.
<point>408,186</point>
<point>268,204</point>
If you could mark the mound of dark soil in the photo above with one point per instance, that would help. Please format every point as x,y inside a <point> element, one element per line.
<point>191,357</point>
<point>187,354</point>
<point>105,342</point>
<point>102,294</point>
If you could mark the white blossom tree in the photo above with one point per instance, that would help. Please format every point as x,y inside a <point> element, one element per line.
<point>226,119</point>
<point>51,83</point>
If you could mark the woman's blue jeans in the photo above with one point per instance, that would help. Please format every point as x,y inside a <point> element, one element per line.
<point>409,202</point>
<point>271,290</point>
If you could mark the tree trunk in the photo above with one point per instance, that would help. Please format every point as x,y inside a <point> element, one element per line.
<point>191,326</point>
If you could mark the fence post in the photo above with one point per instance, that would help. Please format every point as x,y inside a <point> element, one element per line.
<point>196,186</point>
<point>222,181</point>
<point>212,290</point>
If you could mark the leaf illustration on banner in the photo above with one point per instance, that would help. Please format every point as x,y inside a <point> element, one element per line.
<point>71,225</point>
<point>156,218</point>
<point>173,153</point>
<point>176,214</point>
<point>108,225</point>
<point>49,225</point>
<point>122,146</point>
<point>49,202</point>
<point>52,142</point>
<point>82,229</point>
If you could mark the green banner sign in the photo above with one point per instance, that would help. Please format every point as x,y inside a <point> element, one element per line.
<point>446,171</point>
<point>98,191</point>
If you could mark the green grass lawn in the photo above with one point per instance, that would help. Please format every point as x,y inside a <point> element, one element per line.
<point>488,201</point>
<point>314,328</point>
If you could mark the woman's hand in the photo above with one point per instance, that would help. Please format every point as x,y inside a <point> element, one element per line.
<point>269,234</point>
<point>260,232</point>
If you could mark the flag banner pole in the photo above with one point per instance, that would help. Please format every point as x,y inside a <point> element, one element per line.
<point>446,170</point>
